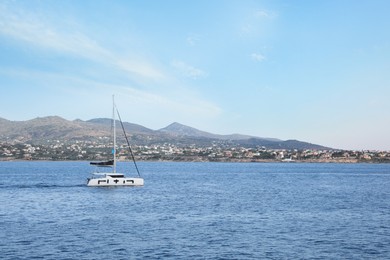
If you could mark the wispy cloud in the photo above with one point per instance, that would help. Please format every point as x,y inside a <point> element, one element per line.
<point>188,70</point>
<point>177,105</point>
<point>27,28</point>
<point>38,33</point>
<point>184,103</point>
<point>193,39</point>
<point>256,22</point>
<point>265,14</point>
<point>257,57</point>
<point>140,68</point>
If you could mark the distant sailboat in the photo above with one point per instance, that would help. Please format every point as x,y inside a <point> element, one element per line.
<point>113,178</point>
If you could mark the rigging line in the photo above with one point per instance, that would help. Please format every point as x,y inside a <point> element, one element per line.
<point>128,144</point>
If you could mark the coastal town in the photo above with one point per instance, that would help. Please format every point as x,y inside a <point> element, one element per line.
<point>57,150</point>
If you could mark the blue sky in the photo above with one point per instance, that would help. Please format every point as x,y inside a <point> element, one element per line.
<point>316,71</point>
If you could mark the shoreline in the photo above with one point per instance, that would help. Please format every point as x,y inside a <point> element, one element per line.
<point>222,160</point>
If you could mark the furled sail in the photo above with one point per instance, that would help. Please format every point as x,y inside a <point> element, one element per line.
<point>103,164</point>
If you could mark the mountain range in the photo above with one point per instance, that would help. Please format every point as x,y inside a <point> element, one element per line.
<point>42,129</point>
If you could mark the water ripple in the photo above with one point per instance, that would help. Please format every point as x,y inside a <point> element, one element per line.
<point>198,211</point>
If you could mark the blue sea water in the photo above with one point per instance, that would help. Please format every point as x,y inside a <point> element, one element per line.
<point>197,211</point>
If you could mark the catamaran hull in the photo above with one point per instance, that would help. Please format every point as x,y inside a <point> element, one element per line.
<point>115,182</point>
<point>114,179</point>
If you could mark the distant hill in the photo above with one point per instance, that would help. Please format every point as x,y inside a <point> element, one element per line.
<point>43,129</point>
<point>289,144</point>
<point>130,127</point>
<point>183,130</point>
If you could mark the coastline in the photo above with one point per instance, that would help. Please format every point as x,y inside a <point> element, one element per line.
<point>172,153</point>
<point>220,160</point>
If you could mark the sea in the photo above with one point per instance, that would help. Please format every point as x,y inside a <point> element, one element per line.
<point>196,211</point>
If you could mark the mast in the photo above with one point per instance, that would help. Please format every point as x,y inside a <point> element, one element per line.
<point>128,144</point>
<point>114,135</point>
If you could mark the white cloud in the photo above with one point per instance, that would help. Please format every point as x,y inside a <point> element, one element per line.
<point>164,94</point>
<point>140,68</point>
<point>264,14</point>
<point>193,39</point>
<point>156,108</point>
<point>256,22</point>
<point>140,106</point>
<point>257,57</point>
<point>27,28</point>
<point>188,70</point>
<point>184,103</point>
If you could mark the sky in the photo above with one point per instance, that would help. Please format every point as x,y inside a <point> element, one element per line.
<point>314,71</point>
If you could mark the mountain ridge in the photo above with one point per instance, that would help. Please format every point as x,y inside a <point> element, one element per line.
<point>41,129</point>
<point>177,128</point>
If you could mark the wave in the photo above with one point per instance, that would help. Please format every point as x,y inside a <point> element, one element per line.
<point>40,186</point>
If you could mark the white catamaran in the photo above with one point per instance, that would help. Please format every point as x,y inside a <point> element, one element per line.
<point>109,179</point>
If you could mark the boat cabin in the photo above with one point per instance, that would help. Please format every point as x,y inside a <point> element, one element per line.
<point>115,175</point>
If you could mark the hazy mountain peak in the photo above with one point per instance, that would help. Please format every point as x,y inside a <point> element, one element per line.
<point>42,129</point>
<point>48,119</point>
<point>180,129</point>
